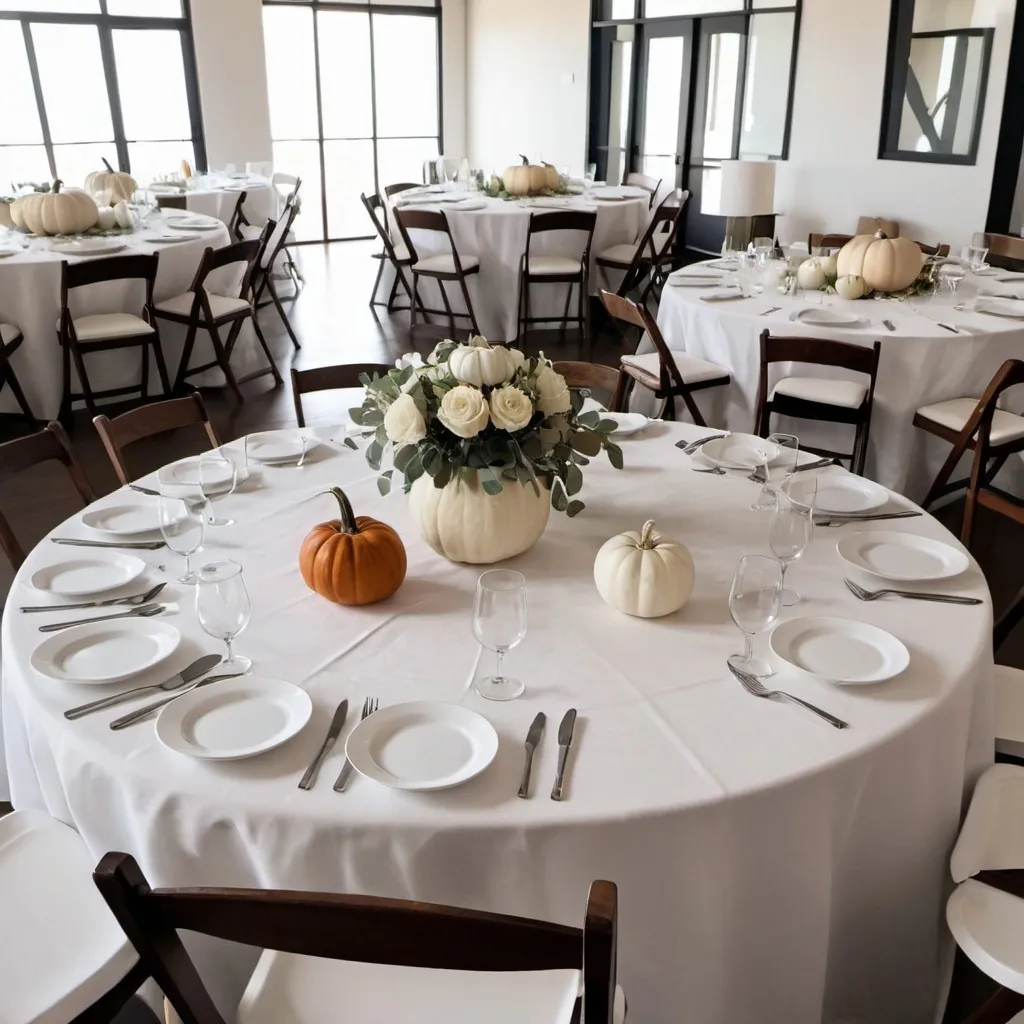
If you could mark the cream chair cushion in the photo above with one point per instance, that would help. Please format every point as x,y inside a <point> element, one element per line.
<point>101,326</point>
<point>955,413</point>
<point>444,263</point>
<point>693,370</point>
<point>987,925</point>
<point>622,253</point>
<point>844,393</point>
<point>8,332</point>
<point>219,304</point>
<point>554,265</point>
<point>1009,710</point>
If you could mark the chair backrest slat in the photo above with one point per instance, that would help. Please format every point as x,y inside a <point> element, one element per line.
<point>588,375</point>
<point>638,315</point>
<point>401,186</point>
<point>330,378</point>
<point>424,220</point>
<point>826,241</point>
<point>238,217</point>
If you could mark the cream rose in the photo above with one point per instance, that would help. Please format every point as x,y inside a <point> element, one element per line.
<point>403,421</point>
<point>463,411</point>
<point>552,391</point>
<point>510,409</point>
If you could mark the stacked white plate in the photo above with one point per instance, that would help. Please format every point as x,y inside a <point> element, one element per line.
<point>695,279</point>
<point>194,221</point>
<point>822,317</point>
<point>1011,309</point>
<point>628,423</point>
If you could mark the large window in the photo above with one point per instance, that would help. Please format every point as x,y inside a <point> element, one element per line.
<point>354,102</point>
<point>88,80</point>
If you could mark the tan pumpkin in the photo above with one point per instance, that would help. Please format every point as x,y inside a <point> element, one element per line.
<point>58,212</point>
<point>527,179</point>
<point>6,220</point>
<point>352,560</point>
<point>110,187</point>
<point>886,264</point>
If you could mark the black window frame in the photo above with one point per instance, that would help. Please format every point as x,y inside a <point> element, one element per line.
<point>106,24</point>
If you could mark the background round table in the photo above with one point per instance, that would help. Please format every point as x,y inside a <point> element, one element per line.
<point>769,867</point>
<point>496,234</point>
<point>921,363</point>
<point>262,200</point>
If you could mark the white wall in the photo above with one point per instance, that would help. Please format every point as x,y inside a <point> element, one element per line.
<point>833,175</point>
<point>526,82</point>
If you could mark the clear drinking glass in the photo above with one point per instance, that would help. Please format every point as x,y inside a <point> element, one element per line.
<point>754,606</point>
<point>950,275</point>
<point>747,274</point>
<point>792,526</point>
<point>499,624</point>
<point>223,608</point>
<point>183,525</point>
<point>974,257</point>
<point>218,477</point>
<point>763,248</point>
<point>774,474</point>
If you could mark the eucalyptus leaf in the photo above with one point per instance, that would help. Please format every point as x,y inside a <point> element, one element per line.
<point>374,451</point>
<point>607,426</point>
<point>586,442</point>
<point>489,481</point>
<point>574,508</point>
<point>573,479</point>
<point>590,418</point>
<point>403,456</point>
<point>356,416</point>
<point>384,485</point>
<point>559,502</point>
<point>372,418</point>
<point>443,475</point>
<point>614,455</point>
<point>349,443</point>
<point>413,471</point>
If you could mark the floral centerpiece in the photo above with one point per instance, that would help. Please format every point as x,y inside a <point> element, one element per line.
<point>487,440</point>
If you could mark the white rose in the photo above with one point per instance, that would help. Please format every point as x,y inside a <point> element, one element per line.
<point>463,411</point>
<point>409,359</point>
<point>510,409</point>
<point>403,421</point>
<point>552,391</point>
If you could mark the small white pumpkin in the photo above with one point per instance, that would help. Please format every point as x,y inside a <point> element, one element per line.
<point>526,179</point>
<point>643,574</point>
<point>830,265</point>
<point>108,218</point>
<point>58,212</point>
<point>124,215</point>
<point>109,187</point>
<point>886,264</point>
<point>811,274</point>
<point>479,363</point>
<point>851,286</point>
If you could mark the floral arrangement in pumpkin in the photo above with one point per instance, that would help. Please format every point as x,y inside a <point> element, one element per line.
<point>526,179</point>
<point>488,409</point>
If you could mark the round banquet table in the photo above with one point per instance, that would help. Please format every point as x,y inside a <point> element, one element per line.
<point>921,363</point>
<point>262,200</point>
<point>769,867</point>
<point>30,299</point>
<point>494,230</point>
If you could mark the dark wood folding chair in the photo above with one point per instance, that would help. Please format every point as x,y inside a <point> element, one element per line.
<point>238,218</point>
<point>171,202</point>
<point>827,241</point>
<point>263,275</point>
<point>548,270</point>
<point>1004,251</point>
<point>594,377</point>
<point>941,250</point>
<point>401,186</point>
<point>395,254</point>
<point>10,341</point>
<point>651,256</point>
<point>50,444</point>
<point>202,309</point>
<point>330,378</point>
<point>149,420</point>
<point>292,184</point>
<point>646,182</point>
<point>103,332</point>
<point>299,931</point>
<point>670,375</point>
<point>817,398</point>
<point>441,267</point>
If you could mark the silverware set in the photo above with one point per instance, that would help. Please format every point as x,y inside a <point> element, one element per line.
<point>888,325</point>
<point>873,595</point>
<point>770,310</point>
<point>758,476</point>
<point>308,780</point>
<point>565,735</point>
<point>947,327</point>
<point>137,716</point>
<point>145,611</point>
<point>134,599</point>
<point>753,685</point>
<point>144,490</point>
<point>131,545</point>
<point>689,447</point>
<point>369,707</point>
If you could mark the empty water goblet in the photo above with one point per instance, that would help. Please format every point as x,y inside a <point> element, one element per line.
<point>183,527</point>
<point>218,477</point>
<point>792,526</point>
<point>754,600</point>
<point>777,470</point>
<point>223,608</point>
<point>499,624</point>
<point>950,275</point>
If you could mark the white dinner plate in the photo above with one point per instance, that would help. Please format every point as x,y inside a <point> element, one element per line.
<point>162,239</point>
<point>422,745</point>
<point>695,280</point>
<point>105,652</point>
<point>4,253</point>
<point>184,475</point>
<point>723,264</point>
<point>234,718</point>
<point>628,422</point>
<point>740,451</point>
<point>825,317</point>
<point>905,557</point>
<point>274,447</point>
<point>839,650</point>
<point>124,520</point>
<point>77,577</point>
<point>841,493</point>
<point>87,247</point>
<point>468,205</point>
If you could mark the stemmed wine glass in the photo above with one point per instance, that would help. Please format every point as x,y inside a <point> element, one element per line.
<point>218,477</point>
<point>754,602</point>
<point>783,464</point>
<point>792,526</point>
<point>223,608</point>
<point>182,521</point>
<point>499,624</point>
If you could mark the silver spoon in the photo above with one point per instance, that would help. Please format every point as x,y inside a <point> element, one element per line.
<point>133,601</point>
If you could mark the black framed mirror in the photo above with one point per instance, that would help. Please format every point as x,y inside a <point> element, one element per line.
<point>935,83</point>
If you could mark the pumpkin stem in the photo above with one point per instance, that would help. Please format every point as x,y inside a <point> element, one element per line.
<point>56,185</point>
<point>347,516</point>
<point>647,540</point>
<point>106,163</point>
<point>881,234</point>
<point>524,159</point>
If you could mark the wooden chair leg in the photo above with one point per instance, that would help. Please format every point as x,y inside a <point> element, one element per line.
<point>618,397</point>
<point>144,369</point>
<point>698,419</point>
<point>469,304</point>
<point>64,415</point>
<point>376,283</point>
<point>281,313</point>
<point>83,379</point>
<point>764,416</point>
<point>669,412</point>
<point>565,312</point>
<point>417,305</point>
<point>860,449</point>
<point>161,366</point>
<point>8,376</point>
<point>971,503</point>
<point>400,278</point>
<point>266,349</point>
<point>447,305</point>
<point>220,354</point>
<point>993,469</point>
<point>186,356</point>
<point>942,477</point>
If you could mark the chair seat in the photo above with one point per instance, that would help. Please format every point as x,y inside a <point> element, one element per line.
<point>103,326</point>
<point>444,263</point>
<point>220,305</point>
<point>845,393</point>
<point>693,370</point>
<point>1009,710</point>
<point>954,414</point>
<point>312,990</point>
<point>554,265</point>
<point>8,332</point>
<point>622,254</point>
<point>66,949</point>
<point>987,925</point>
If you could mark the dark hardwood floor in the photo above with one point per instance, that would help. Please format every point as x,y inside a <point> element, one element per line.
<point>335,325</point>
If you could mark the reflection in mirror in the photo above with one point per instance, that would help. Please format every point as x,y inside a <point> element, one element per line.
<point>723,82</point>
<point>766,94</point>
<point>618,127</point>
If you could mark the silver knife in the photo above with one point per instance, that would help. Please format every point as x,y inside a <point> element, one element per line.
<point>840,518</point>
<point>137,716</point>
<point>134,545</point>
<point>144,490</point>
<point>532,739</point>
<point>198,667</point>
<point>948,327</point>
<point>337,722</point>
<point>565,730</point>
<point>888,325</point>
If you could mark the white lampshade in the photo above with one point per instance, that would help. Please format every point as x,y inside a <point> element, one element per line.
<point>747,189</point>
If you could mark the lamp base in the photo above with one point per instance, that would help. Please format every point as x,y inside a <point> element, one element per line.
<point>741,231</point>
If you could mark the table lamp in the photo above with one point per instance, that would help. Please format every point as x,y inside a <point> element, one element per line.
<point>747,200</point>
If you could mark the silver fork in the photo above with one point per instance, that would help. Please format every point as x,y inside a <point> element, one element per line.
<point>770,310</point>
<point>754,686</point>
<point>143,612</point>
<point>369,707</point>
<point>133,601</point>
<point>688,448</point>
<point>714,470</point>
<point>873,595</point>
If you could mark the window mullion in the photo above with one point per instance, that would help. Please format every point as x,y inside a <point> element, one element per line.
<point>113,96</point>
<point>37,86</point>
<point>373,107</point>
<point>320,121</point>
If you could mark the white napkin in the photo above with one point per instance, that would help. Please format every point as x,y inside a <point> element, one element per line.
<point>723,295</point>
<point>1002,291</point>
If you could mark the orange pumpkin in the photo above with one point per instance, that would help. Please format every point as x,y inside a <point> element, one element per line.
<point>352,560</point>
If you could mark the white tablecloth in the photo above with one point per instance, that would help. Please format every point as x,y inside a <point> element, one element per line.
<point>497,234</point>
<point>769,867</point>
<point>921,363</point>
<point>30,299</point>
<point>262,200</point>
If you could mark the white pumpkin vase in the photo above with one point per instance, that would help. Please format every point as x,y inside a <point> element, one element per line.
<point>464,523</point>
<point>885,264</point>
